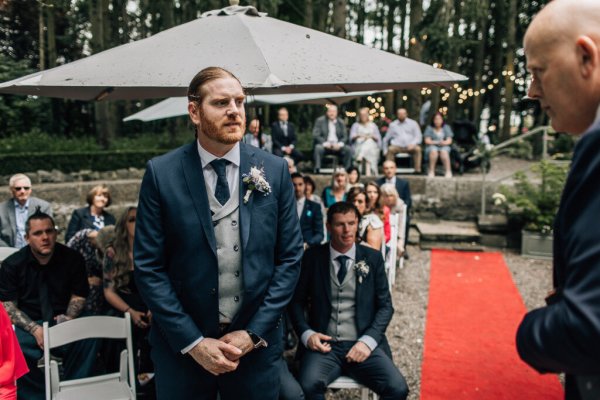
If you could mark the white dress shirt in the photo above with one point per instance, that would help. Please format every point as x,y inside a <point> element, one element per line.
<point>391,181</point>
<point>332,135</point>
<point>210,181</point>
<point>333,255</point>
<point>300,206</point>
<point>21,215</point>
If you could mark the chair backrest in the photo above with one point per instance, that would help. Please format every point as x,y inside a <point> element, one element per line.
<point>99,327</point>
<point>6,251</point>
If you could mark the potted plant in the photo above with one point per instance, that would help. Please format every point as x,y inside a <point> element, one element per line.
<point>531,205</point>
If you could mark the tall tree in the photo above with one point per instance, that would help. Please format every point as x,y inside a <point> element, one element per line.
<point>340,15</point>
<point>509,68</point>
<point>415,50</point>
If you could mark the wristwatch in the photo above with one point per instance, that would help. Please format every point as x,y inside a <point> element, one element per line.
<point>257,340</point>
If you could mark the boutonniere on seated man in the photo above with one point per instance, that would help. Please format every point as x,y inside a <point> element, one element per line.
<point>255,180</point>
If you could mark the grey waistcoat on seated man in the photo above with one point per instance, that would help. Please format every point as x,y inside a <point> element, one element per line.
<point>342,323</point>
<point>226,223</point>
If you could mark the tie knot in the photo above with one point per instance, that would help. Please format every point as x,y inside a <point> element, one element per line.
<point>219,165</point>
<point>342,260</point>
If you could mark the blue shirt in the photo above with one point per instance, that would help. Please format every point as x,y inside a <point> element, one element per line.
<point>21,215</point>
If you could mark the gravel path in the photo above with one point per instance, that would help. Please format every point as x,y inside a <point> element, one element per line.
<point>406,331</point>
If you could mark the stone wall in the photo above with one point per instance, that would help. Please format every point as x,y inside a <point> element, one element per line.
<point>457,199</point>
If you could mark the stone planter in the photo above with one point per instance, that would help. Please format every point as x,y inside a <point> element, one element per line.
<point>536,245</point>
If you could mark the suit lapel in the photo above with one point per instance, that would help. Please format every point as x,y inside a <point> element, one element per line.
<point>304,210</point>
<point>194,177</point>
<point>247,160</point>
<point>13,219</point>
<point>323,266</point>
<point>358,284</point>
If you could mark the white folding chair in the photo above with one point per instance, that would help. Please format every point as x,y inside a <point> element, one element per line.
<point>402,230</point>
<point>116,386</point>
<point>6,251</point>
<point>392,255</point>
<point>344,382</point>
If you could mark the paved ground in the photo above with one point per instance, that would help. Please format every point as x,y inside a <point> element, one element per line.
<point>406,331</point>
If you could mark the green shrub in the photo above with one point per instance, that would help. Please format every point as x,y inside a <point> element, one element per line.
<point>75,161</point>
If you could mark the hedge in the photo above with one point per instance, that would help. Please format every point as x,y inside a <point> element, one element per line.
<point>76,161</point>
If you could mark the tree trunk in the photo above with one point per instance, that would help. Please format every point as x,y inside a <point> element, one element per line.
<point>498,18</point>
<point>415,50</point>
<point>479,58</point>
<point>360,22</point>
<point>42,41</point>
<point>308,13</point>
<point>323,6</point>
<point>340,12</point>
<point>509,79</point>
<point>402,5</point>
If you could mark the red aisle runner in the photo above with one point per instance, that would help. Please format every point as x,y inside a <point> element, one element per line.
<point>474,310</point>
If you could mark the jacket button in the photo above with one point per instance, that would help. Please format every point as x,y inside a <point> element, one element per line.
<point>213,291</point>
<point>236,298</point>
<point>233,223</point>
<point>237,273</point>
<point>236,247</point>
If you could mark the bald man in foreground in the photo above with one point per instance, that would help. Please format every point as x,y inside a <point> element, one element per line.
<point>562,46</point>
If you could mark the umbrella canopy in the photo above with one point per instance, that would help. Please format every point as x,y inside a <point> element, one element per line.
<point>266,54</point>
<point>177,106</point>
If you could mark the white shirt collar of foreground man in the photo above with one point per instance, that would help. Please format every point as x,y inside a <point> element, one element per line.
<point>233,169</point>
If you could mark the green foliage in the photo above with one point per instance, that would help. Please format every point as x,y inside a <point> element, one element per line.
<point>533,205</point>
<point>75,161</point>
<point>521,149</point>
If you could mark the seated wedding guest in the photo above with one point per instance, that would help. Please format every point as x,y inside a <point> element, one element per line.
<point>257,138</point>
<point>309,214</point>
<point>310,190</point>
<point>354,178</point>
<point>403,136</point>
<point>284,137</point>
<point>330,137</point>
<point>402,187</point>
<point>12,362</point>
<point>337,191</point>
<point>94,216</point>
<point>375,205</point>
<point>122,295</point>
<point>394,205</point>
<point>15,211</point>
<point>87,244</point>
<point>339,334</point>
<point>291,164</point>
<point>45,281</point>
<point>438,138</point>
<point>370,227</point>
<point>366,142</point>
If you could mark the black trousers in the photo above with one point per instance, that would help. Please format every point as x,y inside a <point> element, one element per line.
<point>378,372</point>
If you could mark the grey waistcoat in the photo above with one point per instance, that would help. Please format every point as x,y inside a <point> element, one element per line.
<point>226,223</point>
<point>342,323</point>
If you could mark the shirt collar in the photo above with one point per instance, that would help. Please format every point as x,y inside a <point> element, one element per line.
<point>350,253</point>
<point>233,155</point>
<point>301,200</point>
<point>391,180</point>
<point>597,115</point>
<point>18,205</point>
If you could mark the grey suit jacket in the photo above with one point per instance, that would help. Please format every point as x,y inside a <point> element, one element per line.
<point>8,219</point>
<point>321,130</point>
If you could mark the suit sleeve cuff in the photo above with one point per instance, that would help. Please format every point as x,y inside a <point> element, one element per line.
<point>305,336</point>
<point>192,345</point>
<point>369,341</point>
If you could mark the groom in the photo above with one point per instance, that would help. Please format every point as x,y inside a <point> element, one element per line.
<point>217,255</point>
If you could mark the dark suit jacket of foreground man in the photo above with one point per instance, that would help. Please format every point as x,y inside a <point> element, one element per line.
<point>565,335</point>
<point>177,272</point>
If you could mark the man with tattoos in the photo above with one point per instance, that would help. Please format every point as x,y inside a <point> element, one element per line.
<point>45,281</point>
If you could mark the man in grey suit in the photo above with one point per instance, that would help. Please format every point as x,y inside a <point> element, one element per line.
<point>15,211</point>
<point>331,137</point>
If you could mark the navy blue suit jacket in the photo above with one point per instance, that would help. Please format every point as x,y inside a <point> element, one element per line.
<point>82,219</point>
<point>565,335</point>
<point>311,223</point>
<point>374,308</point>
<point>403,190</point>
<point>175,254</point>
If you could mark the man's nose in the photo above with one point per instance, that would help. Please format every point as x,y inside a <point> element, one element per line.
<point>534,90</point>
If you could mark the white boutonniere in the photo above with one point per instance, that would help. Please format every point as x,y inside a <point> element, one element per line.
<point>361,269</point>
<point>255,180</point>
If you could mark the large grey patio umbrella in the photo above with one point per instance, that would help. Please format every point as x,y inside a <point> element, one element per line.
<point>268,56</point>
<point>177,106</point>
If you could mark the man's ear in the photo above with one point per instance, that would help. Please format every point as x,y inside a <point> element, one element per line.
<point>193,112</point>
<point>588,57</point>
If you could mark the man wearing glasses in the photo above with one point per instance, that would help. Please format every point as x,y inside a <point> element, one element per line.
<point>15,211</point>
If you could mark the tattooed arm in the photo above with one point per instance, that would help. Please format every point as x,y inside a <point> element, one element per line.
<point>75,306</point>
<point>19,318</point>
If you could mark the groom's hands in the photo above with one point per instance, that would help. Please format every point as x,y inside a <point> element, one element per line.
<point>216,356</point>
<point>241,340</point>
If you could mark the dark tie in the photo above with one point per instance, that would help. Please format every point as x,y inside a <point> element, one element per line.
<point>222,188</point>
<point>44,296</point>
<point>343,268</point>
